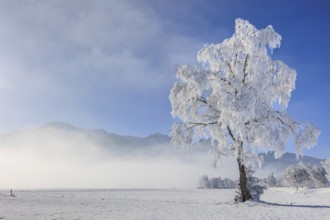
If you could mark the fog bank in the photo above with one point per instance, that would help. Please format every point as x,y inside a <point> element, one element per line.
<point>61,158</point>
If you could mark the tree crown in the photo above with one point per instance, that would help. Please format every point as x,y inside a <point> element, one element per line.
<point>238,96</point>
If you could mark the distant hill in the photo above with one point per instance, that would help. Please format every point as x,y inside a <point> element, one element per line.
<point>55,134</point>
<point>277,166</point>
<point>58,133</point>
<point>287,159</point>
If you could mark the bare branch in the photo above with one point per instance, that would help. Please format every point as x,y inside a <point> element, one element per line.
<point>231,133</point>
<point>250,122</point>
<point>201,99</point>
<point>279,119</point>
<point>230,69</point>
<point>235,59</point>
<point>226,81</point>
<point>194,124</point>
<point>215,76</point>
<point>244,68</point>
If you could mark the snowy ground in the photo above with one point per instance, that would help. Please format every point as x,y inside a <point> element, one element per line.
<point>281,203</point>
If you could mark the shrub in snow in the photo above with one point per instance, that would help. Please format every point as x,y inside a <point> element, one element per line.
<point>231,100</point>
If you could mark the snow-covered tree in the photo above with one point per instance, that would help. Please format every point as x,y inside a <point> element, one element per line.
<point>216,183</point>
<point>305,175</point>
<point>296,176</point>
<point>204,182</point>
<point>326,166</point>
<point>238,98</point>
<point>270,180</point>
<point>318,176</point>
<point>229,184</point>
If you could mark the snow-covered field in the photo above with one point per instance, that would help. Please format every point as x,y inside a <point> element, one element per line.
<point>279,203</point>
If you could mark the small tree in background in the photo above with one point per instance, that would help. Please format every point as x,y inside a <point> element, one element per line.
<point>229,184</point>
<point>326,166</point>
<point>304,175</point>
<point>216,183</point>
<point>270,180</point>
<point>238,99</point>
<point>204,182</point>
<point>318,175</point>
<point>296,176</point>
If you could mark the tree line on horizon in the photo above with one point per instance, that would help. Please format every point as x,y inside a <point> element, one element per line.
<point>299,175</point>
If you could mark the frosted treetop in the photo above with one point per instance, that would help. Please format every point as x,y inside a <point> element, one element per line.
<point>231,97</point>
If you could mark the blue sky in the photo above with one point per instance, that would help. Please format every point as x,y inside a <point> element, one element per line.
<point>110,64</point>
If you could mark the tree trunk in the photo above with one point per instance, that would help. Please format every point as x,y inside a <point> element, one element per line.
<point>245,192</point>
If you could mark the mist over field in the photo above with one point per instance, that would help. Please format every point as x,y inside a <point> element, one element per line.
<point>58,155</point>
